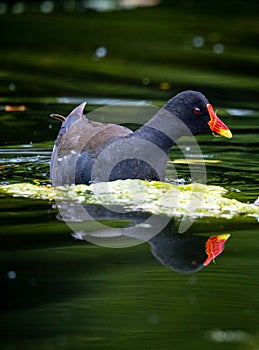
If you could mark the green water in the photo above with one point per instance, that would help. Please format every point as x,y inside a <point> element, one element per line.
<point>57,292</point>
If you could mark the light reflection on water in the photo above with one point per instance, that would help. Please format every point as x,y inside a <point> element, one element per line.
<point>97,101</point>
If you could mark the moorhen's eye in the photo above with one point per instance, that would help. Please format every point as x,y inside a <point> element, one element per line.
<point>196,110</point>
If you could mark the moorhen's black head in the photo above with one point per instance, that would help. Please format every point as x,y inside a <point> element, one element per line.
<point>195,111</point>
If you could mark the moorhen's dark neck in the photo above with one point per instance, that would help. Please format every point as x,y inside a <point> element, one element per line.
<point>155,136</point>
<point>165,127</point>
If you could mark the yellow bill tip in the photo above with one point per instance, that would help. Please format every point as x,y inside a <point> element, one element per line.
<point>224,236</point>
<point>225,133</point>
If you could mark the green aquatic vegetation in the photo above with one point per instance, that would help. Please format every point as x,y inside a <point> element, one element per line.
<point>192,200</point>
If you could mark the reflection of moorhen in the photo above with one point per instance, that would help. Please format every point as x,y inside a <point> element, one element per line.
<point>183,253</point>
<point>188,113</point>
<point>186,253</point>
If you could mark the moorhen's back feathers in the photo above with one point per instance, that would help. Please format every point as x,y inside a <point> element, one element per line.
<point>78,135</point>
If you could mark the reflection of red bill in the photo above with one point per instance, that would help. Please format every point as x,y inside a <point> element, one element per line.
<point>216,125</point>
<point>215,246</point>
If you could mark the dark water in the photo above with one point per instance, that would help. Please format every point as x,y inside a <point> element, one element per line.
<point>58,292</point>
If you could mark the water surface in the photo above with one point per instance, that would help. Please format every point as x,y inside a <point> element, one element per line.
<point>58,292</point>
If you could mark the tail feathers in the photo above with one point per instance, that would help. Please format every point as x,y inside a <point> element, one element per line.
<point>75,115</point>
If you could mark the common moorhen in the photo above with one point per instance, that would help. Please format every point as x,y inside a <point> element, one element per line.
<point>88,151</point>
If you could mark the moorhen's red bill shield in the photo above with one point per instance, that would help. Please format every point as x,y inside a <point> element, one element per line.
<point>215,246</point>
<point>216,125</point>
